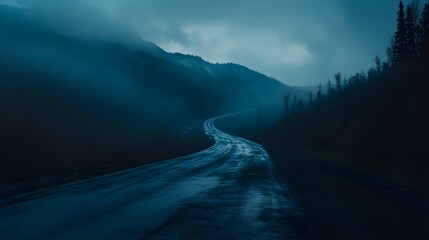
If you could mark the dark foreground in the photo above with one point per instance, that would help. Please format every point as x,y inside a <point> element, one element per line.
<point>341,203</point>
<point>232,190</point>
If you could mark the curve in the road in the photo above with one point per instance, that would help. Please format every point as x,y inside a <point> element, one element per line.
<point>227,191</point>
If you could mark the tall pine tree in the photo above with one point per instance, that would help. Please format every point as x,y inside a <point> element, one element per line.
<point>423,35</point>
<point>400,45</point>
<point>410,26</point>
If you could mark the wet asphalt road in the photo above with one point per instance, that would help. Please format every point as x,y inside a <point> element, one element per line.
<point>227,191</point>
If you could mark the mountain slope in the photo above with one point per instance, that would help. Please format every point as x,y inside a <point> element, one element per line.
<point>68,102</point>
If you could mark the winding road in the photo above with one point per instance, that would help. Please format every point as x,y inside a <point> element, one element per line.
<point>227,191</point>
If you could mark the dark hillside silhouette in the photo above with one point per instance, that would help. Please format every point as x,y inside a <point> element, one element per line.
<point>69,104</point>
<point>378,119</point>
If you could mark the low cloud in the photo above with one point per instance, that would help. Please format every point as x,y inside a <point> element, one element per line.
<point>220,43</point>
<point>300,42</point>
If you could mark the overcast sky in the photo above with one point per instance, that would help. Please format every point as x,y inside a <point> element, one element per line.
<point>299,42</point>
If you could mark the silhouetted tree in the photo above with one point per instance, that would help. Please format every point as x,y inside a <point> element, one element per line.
<point>423,35</point>
<point>363,75</point>
<point>338,80</point>
<point>356,79</point>
<point>294,106</point>
<point>378,64</point>
<point>410,26</point>
<point>319,94</point>
<point>400,44</point>
<point>329,87</point>
<point>372,74</point>
<point>364,104</point>
<point>415,10</point>
<point>310,99</point>
<point>386,68</point>
<point>345,84</point>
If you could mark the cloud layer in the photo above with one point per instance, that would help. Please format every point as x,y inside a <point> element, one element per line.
<point>300,42</point>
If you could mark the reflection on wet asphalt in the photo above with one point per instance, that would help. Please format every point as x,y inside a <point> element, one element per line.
<point>227,191</point>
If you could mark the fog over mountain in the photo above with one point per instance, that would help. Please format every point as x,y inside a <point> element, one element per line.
<point>299,42</point>
<point>88,93</point>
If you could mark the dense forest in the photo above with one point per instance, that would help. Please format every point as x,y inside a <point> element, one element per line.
<point>378,119</point>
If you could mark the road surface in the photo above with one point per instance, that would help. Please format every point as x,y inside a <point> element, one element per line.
<point>227,191</point>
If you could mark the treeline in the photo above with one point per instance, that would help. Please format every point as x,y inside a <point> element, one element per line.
<point>409,43</point>
<point>378,118</point>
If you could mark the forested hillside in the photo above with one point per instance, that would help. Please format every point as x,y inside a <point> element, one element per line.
<point>378,119</point>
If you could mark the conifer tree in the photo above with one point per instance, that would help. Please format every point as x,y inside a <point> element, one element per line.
<point>338,81</point>
<point>410,26</point>
<point>329,87</point>
<point>400,44</point>
<point>319,94</point>
<point>423,35</point>
<point>294,106</point>
<point>378,64</point>
<point>310,99</point>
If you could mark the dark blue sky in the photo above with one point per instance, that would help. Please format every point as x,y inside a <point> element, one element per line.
<point>300,42</point>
